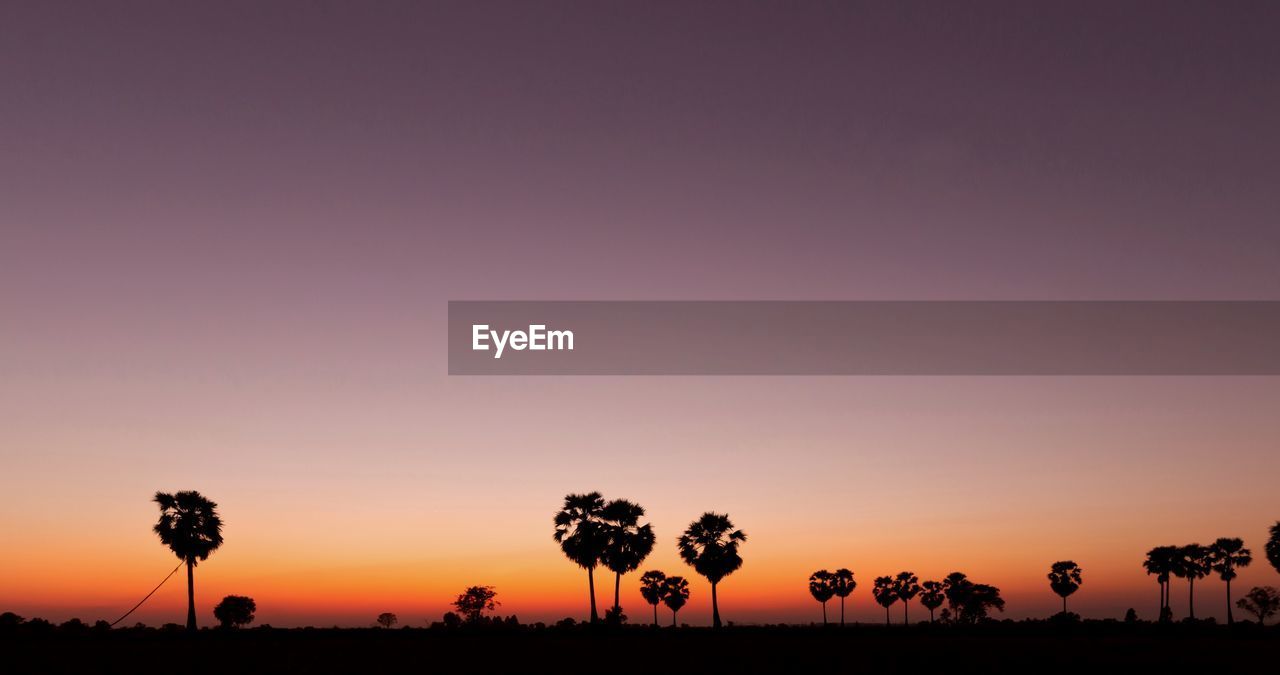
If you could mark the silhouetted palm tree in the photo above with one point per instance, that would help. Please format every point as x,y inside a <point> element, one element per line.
<point>583,536</point>
<point>1273,546</point>
<point>906,586</point>
<point>1160,562</point>
<point>955,588</point>
<point>1065,579</point>
<point>1191,563</point>
<point>885,593</point>
<point>675,593</point>
<point>842,583</point>
<point>710,545</point>
<point>820,587</point>
<point>1226,555</point>
<point>189,525</point>
<point>629,542</point>
<point>652,585</point>
<point>931,596</point>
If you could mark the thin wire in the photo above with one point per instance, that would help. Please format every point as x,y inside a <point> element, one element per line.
<point>153,592</point>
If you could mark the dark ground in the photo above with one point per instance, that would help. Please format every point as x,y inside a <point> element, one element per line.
<point>1004,647</point>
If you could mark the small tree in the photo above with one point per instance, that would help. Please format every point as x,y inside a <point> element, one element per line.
<point>235,611</point>
<point>1065,579</point>
<point>473,602</point>
<point>931,596</point>
<point>842,583</point>
<point>822,590</point>
<point>675,593</point>
<point>1261,601</point>
<point>387,619</point>
<point>652,587</point>
<point>885,594</point>
<point>906,586</point>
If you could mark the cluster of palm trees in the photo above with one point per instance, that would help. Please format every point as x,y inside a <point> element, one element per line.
<point>592,532</point>
<point>1193,561</point>
<point>969,601</point>
<point>656,587</point>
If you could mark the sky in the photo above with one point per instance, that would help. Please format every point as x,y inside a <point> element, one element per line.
<point>228,235</point>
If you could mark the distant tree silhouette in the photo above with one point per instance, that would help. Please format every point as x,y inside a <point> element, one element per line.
<point>473,602</point>
<point>1160,562</point>
<point>651,589</point>
<point>189,525</point>
<point>822,590</point>
<point>1225,556</point>
<point>582,536</point>
<point>387,619</point>
<point>885,594</point>
<point>675,593</point>
<point>627,544</point>
<point>235,611</point>
<point>1273,546</point>
<point>842,584</point>
<point>1261,601</point>
<point>1065,579</point>
<point>1191,563</point>
<point>906,586</point>
<point>970,602</point>
<point>710,546</point>
<point>931,596</point>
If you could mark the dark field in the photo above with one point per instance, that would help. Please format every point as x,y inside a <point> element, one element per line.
<point>1005,647</point>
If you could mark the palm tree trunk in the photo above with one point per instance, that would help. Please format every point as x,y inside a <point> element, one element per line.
<point>715,607</point>
<point>842,610</point>
<point>1191,599</point>
<point>655,615</point>
<point>1230,619</point>
<point>591,585</point>
<point>191,594</point>
<point>617,583</point>
<point>905,606</point>
<point>930,615</point>
<point>886,616</point>
<point>673,618</point>
<point>824,614</point>
<point>1064,604</point>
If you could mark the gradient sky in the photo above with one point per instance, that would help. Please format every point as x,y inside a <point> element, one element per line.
<point>228,234</point>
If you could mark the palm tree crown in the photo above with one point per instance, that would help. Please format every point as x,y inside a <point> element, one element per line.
<point>675,593</point>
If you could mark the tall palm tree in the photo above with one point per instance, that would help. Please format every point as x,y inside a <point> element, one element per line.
<point>582,536</point>
<point>885,594</point>
<point>1273,546</point>
<point>1065,579</point>
<point>675,593</point>
<point>628,544</point>
<point>906,586</point>
<point>842,583</point>
<point>822,590</point>
<point>189,525</point>
<point>1226,555</point>
<point>710,546</point>
<point>1191,563</point>
<point>931,596</point>
<point>652,586</point>
<point>1160,562</point>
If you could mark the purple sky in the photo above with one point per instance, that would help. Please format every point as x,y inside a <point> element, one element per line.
<point>228,233</point>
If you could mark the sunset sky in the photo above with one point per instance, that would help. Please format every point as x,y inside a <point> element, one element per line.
<point>228,236</point>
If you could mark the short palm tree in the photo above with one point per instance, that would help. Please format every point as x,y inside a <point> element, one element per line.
<point>1065,579</point>
<point>1226,555</point>
<point>675,593</point>
<point>189,525</point>
<point>628,542</point>
<point>1160,562</point>
<point>931,596</point>
<point>652,587</point>
<point>842,583</point>
<point>885,594</point>
<point>822,590</point>
<point>710,545</point>
<point>906,586</point>
<point>582,536</point>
